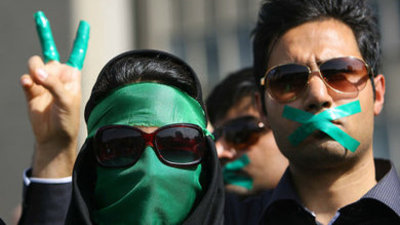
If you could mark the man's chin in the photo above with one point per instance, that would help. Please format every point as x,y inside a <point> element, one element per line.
<point>317,136</point>
<point>319,151</point>
<point>237,189</point>
<point>321,142</point>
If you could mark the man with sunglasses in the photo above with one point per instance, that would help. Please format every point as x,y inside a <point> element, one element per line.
<point>317,67</point>
<point>245,145</point>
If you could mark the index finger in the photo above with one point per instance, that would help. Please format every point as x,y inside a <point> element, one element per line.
<point>46,37</point>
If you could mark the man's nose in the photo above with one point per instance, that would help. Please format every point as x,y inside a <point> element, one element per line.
<point>317,95</point>
<point>225,151</point>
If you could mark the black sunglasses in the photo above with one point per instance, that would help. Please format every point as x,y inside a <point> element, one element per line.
<point>180,145</point>
<point>344,75</point>
<point>241,132</point>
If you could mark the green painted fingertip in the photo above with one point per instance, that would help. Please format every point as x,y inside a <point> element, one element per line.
<point>43,29</point>
<point>79,49</point>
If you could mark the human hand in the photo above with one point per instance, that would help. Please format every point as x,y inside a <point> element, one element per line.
<point>53,95</point>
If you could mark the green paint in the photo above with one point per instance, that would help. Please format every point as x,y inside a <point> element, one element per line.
<point>49,48</point>
<point>78,52</point>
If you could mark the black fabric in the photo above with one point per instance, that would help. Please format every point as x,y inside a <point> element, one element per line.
<point>380,205</point>
<point>208,211</point>
<point>45,204</point>
<point>364,212</point>
<point>241,210</point>
<point>2,222</point>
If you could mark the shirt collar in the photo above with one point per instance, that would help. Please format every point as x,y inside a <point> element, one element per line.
<point>387,190</point>
<point>284,190</point>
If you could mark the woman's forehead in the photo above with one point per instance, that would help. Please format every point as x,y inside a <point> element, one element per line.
<point>146,129</point>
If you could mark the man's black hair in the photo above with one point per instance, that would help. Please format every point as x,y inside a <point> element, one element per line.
<point>144,65</point>
<point>228,92</point>
<point>276,17</point>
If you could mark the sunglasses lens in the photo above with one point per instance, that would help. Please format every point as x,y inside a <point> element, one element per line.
<point>286,82</point>
<point>181,145</point>
<point>243,132</point>
<point>345,74</point>
<point>118,146</point>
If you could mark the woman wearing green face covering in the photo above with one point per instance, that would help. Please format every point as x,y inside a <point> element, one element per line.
<point>148,158</point>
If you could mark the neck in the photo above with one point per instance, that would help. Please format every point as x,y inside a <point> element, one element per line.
<point>324,191</point>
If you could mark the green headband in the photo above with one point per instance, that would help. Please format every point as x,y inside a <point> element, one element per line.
<point>322,122</point>
<point>146,104</point>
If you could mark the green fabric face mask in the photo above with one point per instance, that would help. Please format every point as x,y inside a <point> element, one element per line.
<point>149,192</point>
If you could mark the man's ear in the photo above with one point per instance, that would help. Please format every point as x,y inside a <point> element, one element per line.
<point>259,106</point>
<point>379,81</point>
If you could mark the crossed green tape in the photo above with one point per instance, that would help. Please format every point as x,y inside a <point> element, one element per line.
<point>49,48</point>
<point>232,175</point>
<point>322,121</point>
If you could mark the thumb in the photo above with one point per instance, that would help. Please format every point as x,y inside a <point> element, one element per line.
<point>31,89</point>
<point>51,83</point>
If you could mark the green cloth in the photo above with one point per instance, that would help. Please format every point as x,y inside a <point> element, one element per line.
<point>149,192</point>
<point>146,104</point>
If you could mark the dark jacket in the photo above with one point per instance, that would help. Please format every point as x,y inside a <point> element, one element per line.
<point>45,203</point>
<point>282,206</point>
<point>209,210</point>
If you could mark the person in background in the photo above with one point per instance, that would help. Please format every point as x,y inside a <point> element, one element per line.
<point>245,144</point>
<point>316,64</point>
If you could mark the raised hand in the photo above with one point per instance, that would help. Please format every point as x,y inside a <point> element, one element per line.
<point>53,95</point>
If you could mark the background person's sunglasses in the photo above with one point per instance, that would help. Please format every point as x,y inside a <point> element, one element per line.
<point>346,75</point>
<point>179,145</point>
<point>241,132</point>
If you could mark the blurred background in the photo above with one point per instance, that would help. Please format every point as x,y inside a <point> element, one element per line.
<point>212,35</point>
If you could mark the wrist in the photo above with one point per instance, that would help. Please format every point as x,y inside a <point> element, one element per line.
<point>54,160</point>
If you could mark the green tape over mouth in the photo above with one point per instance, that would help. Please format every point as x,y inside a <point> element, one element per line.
<point>231,173</point>
<point>323,122</point>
